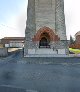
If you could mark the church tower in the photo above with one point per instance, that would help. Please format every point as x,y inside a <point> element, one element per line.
<point>45,28</point>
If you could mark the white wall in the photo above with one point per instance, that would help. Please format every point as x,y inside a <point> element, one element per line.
<point>14,44</point>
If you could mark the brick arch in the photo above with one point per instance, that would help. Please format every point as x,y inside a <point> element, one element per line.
<point>50,32</point>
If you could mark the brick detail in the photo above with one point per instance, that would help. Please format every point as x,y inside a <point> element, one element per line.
<point>50,32</point>
<point>77,39</point>
<point>76,45</point>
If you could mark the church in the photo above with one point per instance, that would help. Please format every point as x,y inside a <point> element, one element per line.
<point>45,32</point>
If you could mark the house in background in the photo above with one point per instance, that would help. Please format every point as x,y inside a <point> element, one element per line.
<point>77,36</point>
<point>13,42</point>
<point>76,44</point>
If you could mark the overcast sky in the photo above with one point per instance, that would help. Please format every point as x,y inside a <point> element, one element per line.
<point>13,15</point>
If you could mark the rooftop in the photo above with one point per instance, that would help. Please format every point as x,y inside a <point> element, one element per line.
<point>13,38</point>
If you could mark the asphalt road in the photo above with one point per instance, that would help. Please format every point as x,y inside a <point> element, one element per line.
<point>57,77</point>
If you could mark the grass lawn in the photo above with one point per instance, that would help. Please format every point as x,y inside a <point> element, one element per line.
<point>76,51</point>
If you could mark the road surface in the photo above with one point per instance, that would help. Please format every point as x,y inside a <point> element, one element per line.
<point>39,77</point>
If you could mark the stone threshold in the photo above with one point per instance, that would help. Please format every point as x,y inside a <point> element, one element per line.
<point>50,55</point>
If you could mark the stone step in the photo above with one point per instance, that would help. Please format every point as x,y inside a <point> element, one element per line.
<point>45,51</point>
<point>47,55</point>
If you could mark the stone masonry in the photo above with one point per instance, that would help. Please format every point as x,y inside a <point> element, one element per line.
<point>45,13</point>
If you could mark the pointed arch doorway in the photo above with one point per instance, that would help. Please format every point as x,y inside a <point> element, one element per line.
<point>44,41</point>
<point>44,37</point>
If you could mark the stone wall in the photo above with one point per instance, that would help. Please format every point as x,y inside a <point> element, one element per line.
<point>3,52</point>
<point>60,20</point>
<point>45,14</point>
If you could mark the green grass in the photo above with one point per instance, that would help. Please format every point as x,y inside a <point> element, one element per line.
<point>76,51</point>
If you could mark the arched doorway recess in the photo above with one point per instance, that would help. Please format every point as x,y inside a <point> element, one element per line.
<point>44,40</point>
<point>44,36</point>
